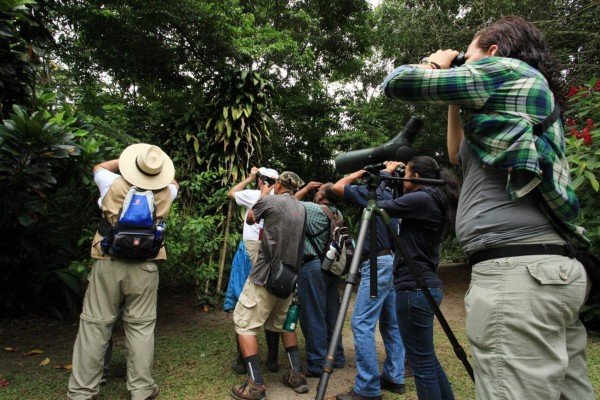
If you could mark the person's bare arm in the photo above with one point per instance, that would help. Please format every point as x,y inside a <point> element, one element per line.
<point>242,185</point>
<point>110,165</point>
<point>307,188</point>
<point>455,133</point>
<point>338,187</point>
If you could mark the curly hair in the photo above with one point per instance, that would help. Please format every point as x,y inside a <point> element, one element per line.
<point>520,39</point>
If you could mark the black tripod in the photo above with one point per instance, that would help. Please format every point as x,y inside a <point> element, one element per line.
<point>368,222</point>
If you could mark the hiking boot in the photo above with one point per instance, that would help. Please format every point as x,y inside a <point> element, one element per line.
<point>154,394</point>
<point>249,390</point>
<point>391,386</point>
<point>296,381</point>
<point>352,395</point>
<point>238,366</point>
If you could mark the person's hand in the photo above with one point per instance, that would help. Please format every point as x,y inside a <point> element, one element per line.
<point>313,185</point>
<point>253,172</point>
<point>443,58</point>
<point>390,166</point>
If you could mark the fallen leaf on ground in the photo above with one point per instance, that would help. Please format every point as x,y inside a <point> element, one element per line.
<point>67,366</point>
<point>34,352</point>
<point>4,382</point>
<point>9,349</point>
<point>45,361</point>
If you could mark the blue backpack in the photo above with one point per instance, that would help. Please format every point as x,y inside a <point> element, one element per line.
<point>136,235</point>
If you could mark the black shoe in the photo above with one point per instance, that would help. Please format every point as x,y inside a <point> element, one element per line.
<point>238,366</point>
<point>154,394</point>
<point>352,395</point>
<point>272,365</point>
<point>310,374</point>
<point>391,386</point>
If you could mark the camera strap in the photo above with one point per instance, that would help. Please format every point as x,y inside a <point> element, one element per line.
<point>540,128</point>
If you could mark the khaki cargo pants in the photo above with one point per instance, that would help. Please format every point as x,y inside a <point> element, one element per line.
<point>112,283</point>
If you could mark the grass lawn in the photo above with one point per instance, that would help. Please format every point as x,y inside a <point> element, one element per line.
<point>193,353</point>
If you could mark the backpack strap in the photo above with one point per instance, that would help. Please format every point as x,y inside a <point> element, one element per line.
<point>540,128</point>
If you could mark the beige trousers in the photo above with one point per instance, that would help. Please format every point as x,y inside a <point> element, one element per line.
<point>112,282</point>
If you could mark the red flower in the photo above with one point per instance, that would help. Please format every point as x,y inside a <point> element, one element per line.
<point>597,86</point>
<point>587,138</point>
<point>590,124</point>
<point>574,132</point>
<point>573,91</point>
<point>571,122</point>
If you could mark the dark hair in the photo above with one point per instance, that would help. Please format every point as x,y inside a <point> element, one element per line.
<point>427,167</point>
<point>520,39</point>
<point>329,194</point>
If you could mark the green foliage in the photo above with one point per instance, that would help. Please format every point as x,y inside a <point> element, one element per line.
<point>238,121</point>
<point>22,39</point>
<point>582,142</point>
<point>36,160</point>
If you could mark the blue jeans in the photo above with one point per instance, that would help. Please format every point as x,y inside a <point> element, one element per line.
<point>318,293</point>
<point>415,318</point>
<point>367,311</point>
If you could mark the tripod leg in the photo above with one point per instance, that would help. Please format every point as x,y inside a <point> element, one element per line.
<point>351,280</point>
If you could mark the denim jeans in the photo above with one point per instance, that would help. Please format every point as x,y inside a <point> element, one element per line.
<point>367,311</point>
<point>318,293</point>
<point>415,318</point>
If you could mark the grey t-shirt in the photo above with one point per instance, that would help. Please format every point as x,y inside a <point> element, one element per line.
<point>487,218</point>
<point>283,217</point>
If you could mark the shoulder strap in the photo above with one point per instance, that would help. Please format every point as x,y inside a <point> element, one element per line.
<point>540,128</point>
<point>329,213</point>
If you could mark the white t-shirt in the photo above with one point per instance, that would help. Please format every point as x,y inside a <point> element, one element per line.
<point>247,198</point>
<point>104,178</point>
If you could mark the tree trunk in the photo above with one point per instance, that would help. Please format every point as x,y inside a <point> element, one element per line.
<point>224,247</point>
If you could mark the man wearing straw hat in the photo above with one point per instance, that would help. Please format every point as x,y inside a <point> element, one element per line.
<point>113,281</point>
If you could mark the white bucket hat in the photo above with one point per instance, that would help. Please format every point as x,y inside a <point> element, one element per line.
<point>146,166</point>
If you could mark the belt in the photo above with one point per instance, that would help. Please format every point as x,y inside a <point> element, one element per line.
<point>380,253</point>
<point>520,250</point>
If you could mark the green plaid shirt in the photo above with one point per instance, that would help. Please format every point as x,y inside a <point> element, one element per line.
<point>318,227</point>
<point>501,99</point>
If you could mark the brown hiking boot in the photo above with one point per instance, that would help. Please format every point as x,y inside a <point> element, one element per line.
<point>249,390</point>
<point>296,381</point>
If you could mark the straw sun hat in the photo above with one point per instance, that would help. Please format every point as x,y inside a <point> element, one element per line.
<point>146,166</point>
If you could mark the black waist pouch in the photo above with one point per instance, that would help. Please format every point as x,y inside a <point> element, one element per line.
<point>282,279</point>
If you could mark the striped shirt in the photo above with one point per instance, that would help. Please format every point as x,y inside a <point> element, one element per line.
<point>501,99</point>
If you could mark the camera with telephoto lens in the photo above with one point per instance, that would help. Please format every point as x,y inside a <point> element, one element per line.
<point>266,179</point>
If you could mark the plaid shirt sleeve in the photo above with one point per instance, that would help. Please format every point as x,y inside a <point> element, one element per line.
<point>502,98</point>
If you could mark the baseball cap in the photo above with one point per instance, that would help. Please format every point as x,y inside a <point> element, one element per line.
<point>290,180</point>
<point>271,173</point>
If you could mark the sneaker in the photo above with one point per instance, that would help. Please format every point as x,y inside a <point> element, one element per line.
<point>296,381</point>
<point>154,394</point>
<point>391,386</point>
<point>352,395</point>
<point>238,366</point>
<point>249,390</point>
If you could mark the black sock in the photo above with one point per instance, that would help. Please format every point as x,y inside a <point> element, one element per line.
<point>294,358</point>
<point>253,369</point>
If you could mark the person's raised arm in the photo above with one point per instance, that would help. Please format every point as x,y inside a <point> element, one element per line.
<point>454,134</point>
<point>338,187</point>
<point>307,188</point>
<point>110,165</point>
<point>240,186</point>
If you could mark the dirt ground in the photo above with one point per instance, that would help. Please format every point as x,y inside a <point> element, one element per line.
<point>179,313</point>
